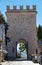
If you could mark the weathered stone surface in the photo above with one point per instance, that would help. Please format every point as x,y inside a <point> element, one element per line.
<point>22,25</point>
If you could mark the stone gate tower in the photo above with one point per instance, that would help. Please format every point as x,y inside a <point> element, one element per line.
<point>22,26</point>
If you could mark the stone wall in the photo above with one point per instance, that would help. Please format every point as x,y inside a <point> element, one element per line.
<point>22,24</point>
<point>2,40</point>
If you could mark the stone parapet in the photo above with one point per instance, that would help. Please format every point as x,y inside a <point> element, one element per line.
<point>21,8</point>
<point>14,7</point>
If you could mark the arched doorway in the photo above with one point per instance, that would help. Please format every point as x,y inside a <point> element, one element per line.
<point>22,49</point>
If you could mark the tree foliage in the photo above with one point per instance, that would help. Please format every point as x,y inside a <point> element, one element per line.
<point>22,47</point>
<point>39,32</point>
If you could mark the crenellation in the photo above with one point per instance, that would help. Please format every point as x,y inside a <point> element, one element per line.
<point>34,7</point>
<point>28,7</point>
<point>8,8</point>
<point>21,8</point>
<point>15,7</point>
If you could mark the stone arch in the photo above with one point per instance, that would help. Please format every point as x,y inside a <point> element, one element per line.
<point>22,41</point>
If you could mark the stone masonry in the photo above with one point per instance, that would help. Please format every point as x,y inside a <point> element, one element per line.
<point>22,25</point>
<point>2,37</point>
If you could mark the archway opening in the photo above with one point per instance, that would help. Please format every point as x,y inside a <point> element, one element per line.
<point>22,49</point>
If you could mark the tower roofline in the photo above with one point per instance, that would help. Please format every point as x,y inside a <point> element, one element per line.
<point>21,9</point>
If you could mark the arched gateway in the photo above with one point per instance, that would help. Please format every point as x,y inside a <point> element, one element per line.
<point>22,41</point>
<point>22,24</point>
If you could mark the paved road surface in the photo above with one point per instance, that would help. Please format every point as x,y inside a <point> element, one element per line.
<point>19,63</point>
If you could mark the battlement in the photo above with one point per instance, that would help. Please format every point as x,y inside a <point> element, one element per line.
<point>21,8</point>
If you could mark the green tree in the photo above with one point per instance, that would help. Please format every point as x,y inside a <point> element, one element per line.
<point>22,47</point>
<point>39,32</point>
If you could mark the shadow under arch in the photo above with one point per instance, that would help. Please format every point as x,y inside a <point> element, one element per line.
<point>22,41</point>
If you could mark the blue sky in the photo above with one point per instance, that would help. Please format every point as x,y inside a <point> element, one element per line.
<point>38,3</point>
